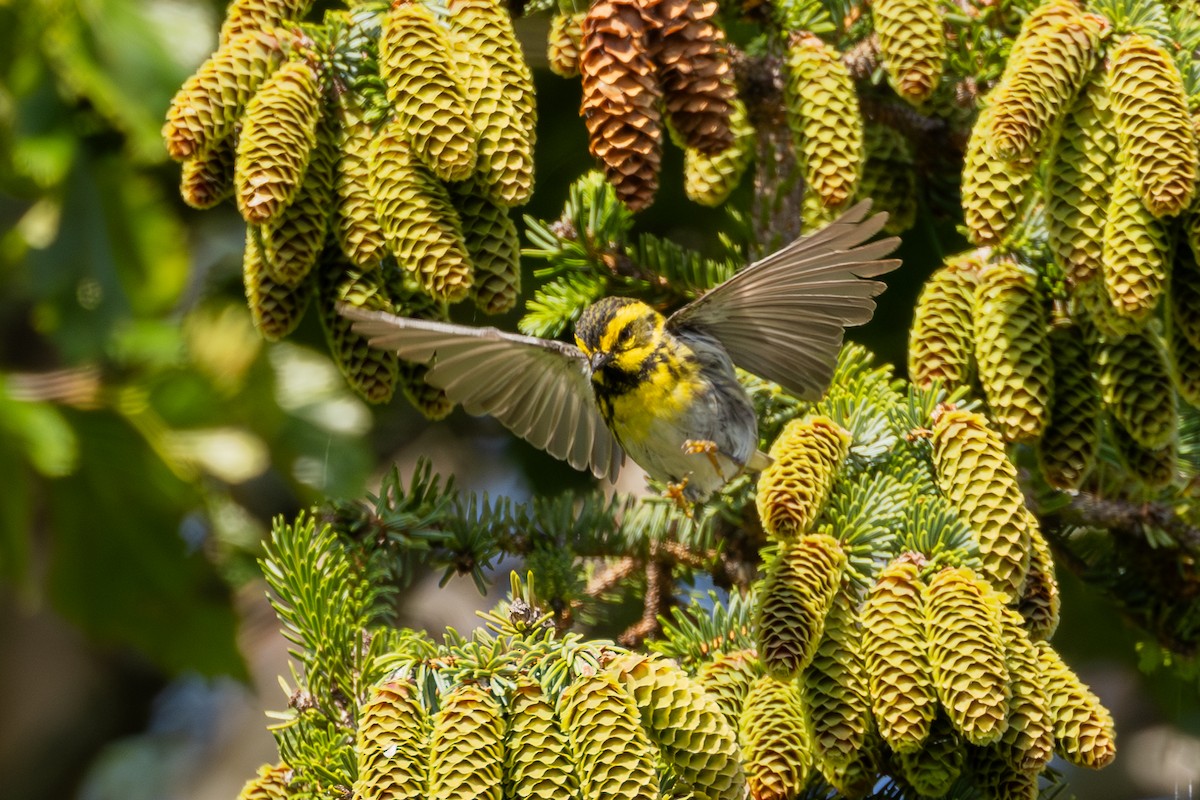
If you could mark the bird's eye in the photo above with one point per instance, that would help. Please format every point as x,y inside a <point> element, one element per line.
<point>624,337</point>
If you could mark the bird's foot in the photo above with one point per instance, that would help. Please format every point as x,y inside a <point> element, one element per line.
<point>708,448</point>
<point>675,491</point>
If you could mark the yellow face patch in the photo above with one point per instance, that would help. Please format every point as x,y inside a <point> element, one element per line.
<point>631,336</point>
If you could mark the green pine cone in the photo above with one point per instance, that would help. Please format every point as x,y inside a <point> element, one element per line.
<point>293,238</point>
<point>1150,112</point>
<point>975,475</point>
<point>467,747</point>
<point>775,746</point>
<point>941,341</point>
<point>564,43</point>
<point>275,309</point>
<point>967,653</point>
<point>934,767</point>
<point>825,121</point>
<point>1184,297</point>
<point>727,679</point>
<point>408,300</point>
<point>271,783</point>
<point>899,675</point>
<point>1035,25</point>
<point>1028,742</point>
<point>996,780</point>
<point>205,108</point>
<point>709,179</point>
<point>207,177</point>
<point>539,765</point>
<point>392,745</point>
<point>1012,349</point>
<point>246,16</point>
<point>889,176</point>
<point>614,758</point>
<point>1136,253</point>
<point>795,598</point>
<point>1083,728</point>
<point>1039,603</point>
<point>356,221</point>
<point>500,98</point>
<point>1185,363</point>
<point>490,237</point>
<point>1135,384</point>
<point>687,725</point>
<point>279,133</point>
<point>418,218</point>
<point>1099,310</point>
<point>806,455</point>
<point>835,692</point>
<point>1079,182</point>
<point>1071,440</point>
<point>994,190</point>
<point>1042,85</point>
<point>416,61</point>
<point>371,372</point>
<point>1154,467</point>
<point>912,44</point>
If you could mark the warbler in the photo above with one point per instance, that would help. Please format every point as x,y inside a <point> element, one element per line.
<point>662,389</point>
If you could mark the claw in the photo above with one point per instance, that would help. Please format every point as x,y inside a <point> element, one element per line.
<point>708,448</point>
<point>675,491</point>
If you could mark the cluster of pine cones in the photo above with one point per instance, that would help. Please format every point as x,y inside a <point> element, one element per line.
<point>1103,113</point>
<point>935,650</point>
<point>986,320</point>
<point>393,196</point>
<point>930,665</point>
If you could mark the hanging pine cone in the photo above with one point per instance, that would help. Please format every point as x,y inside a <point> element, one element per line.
<point>806,457</point>
<point>941,343</point>
<point>356,221</point>
<point>1043,84</point>
<point>425,90</point>
<point>1079,182</point>
<point>1137,250</point>
<point>889,176</point>
<point>912,44</point>
<point>709,179</point>
<point>490,237</point>
<point>275,309</point>
<point>499,91</point>
<point>621,97</point>
<point>565,43</point>
<point>825,121</point>
<point>207,177</point>
<point>1135,384</point>
<point>205,108</point>
<point>934,767</point>
<point>694,69</point>
<point>293,238</point>
<point>1157,136</point>
<point>244,16</point>
<point>1071,439</point>
<point>993,190</point>
<point>371,372</point>
<point>1012,352</point>
<point>278,135</point>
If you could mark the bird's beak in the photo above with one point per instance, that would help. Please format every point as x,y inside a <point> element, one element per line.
<point>599,359</point>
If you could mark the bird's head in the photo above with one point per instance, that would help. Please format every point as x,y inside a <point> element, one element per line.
<point>619,336</point>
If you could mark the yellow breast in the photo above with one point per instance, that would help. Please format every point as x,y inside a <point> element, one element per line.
<point>661,399</point>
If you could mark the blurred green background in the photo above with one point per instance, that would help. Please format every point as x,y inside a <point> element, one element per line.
<point>147,434</point>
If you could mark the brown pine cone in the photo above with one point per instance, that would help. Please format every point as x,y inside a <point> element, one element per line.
<point>620,98</point>
<point>697,80</point>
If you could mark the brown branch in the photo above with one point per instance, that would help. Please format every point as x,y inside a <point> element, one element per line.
<point>660,593</point>
<point>1125,518</point>
<point>612,575</point>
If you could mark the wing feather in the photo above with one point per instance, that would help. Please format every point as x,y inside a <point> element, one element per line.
<point>537,388</point>
<point>784,317</point>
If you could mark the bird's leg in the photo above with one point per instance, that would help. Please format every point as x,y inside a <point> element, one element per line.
<point>708,448</point>
<point>674,491</point>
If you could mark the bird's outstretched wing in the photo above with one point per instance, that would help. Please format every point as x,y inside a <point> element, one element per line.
<point>783,317</point>
<point>537,388</point>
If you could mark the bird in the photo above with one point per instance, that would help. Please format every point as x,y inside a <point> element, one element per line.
<point>662,389</point>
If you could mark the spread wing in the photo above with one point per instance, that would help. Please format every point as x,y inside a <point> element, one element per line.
<point>537,388</point>
<point>783,317</point>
